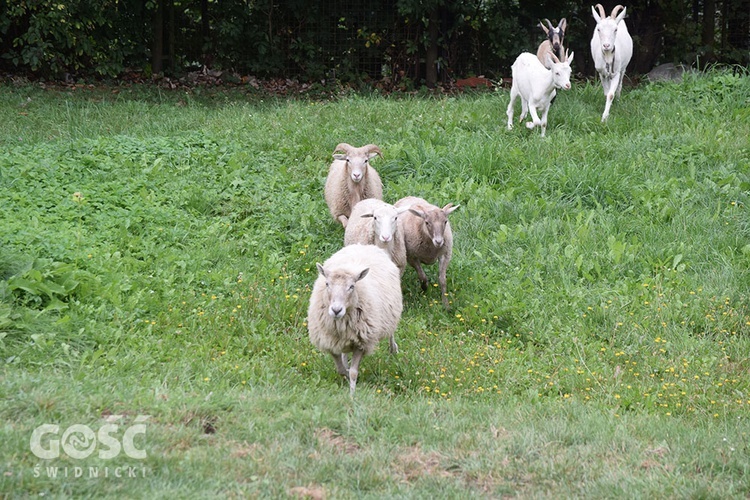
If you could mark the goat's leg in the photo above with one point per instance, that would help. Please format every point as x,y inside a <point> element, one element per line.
<point>609,92</point>
<point>545,111</point>
<point>354,370</point>
<point>509,112</point>
<point>619,83</point>
<point>534,117</point>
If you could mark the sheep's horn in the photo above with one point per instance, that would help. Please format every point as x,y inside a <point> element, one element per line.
<point>343,147</point>
<point>601,10</point>
<point>372,148</point>
<point>617,9</point>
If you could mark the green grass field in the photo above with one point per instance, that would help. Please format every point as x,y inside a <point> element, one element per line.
<point>157,251</point>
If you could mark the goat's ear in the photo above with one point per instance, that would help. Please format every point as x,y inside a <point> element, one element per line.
<point>595,13</point>
<point>562,25</point>
<point>569,58</point>
<point>321,271</point>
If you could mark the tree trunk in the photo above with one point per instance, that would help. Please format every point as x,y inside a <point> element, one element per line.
<point>708,34</point>
<point>157,44</point>
<point>433,30</point>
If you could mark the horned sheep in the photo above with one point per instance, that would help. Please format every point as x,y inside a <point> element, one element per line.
<point>351,179</point>
<point>375,222</point>
<point>536,85</point>
<point>428,238</point>
<point>356,302</point>
<point>611,50</point>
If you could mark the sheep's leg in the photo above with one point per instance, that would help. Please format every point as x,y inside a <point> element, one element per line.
<point>354,370</point>
<point>420,274</point>
<point>513,95</point>
<point>443,263</point>
<point>340,361</point>
<point>393,346</point>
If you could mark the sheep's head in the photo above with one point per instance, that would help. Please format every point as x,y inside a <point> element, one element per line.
<point>560,69</point>
<point>434,221</point>
<point>606,27</point>
<point>340,289</point>
<point>555,35</point>
<point>385,221</point>
<point>357,159</point>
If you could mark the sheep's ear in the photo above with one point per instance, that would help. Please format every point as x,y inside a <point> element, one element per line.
<point>367,215</point>
<point>418,211</point>
<point>321,271</point>
<point>400,210</point>
<point>339,157</point>
<point>362,274</point>
<point>449,208</point>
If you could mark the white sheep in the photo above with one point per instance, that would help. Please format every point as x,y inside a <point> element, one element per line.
<point>375,222</point>
<point>351,179</point>
<point>536,85</point>
<point>611,49</point>
<point>553,44</point>
<point>428,238</point>
<point>356,302</point>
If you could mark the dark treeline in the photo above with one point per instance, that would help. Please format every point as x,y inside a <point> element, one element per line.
<point>414,41</point>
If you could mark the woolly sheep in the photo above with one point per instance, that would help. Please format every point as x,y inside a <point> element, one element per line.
<point>553,44</point>
<point>375,222</point>
<point>611,49</point>
<point>356,302</point>
<point>428,238</point>
<point>536,86</point>
<point>351,179</point>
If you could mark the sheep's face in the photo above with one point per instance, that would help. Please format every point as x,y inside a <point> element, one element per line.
<point>341,290</point>
<point>434,222</point>
<point>385,222</point>
<point>356,165</point>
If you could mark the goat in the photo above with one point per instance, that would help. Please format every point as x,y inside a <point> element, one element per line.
<point>554,42</point>
<point>611,49</point>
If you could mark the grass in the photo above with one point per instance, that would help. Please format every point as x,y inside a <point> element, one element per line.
<point>158,250</point>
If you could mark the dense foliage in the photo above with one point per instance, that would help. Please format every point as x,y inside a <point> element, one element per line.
<point>404,42</point>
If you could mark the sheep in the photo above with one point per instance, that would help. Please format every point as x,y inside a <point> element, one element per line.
<point>356,302</point>
<point>611,49</point>
<point>428,238</point>
<point>536,85</point>
<point>553,44</point>
<point>351,179</point>
<point>375,222</point>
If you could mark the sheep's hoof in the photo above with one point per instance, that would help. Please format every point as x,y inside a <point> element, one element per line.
<point>423,284</point>
<point>393,348</point>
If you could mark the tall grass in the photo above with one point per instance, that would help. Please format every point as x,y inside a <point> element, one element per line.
<point>158,250</point>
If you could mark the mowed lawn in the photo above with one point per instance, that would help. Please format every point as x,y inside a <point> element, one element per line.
<point>158,248</point>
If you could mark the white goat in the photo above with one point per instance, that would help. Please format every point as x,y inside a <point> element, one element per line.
<point>351,179</point>
<point>375,222</point>
<point>536,86</point>
<point>611,49</point>
<point>356,301</point>
<point>553,44</point>
<point>428,238</point>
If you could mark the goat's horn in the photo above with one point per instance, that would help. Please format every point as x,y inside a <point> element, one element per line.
<point>550,24</point>
<point>617,9</point>
<point>601,10</point>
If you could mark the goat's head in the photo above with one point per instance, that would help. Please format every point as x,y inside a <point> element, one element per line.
<point>606,27</point>
<point>555,35</point>
<point>357,159</point>
<point>561,69</point>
